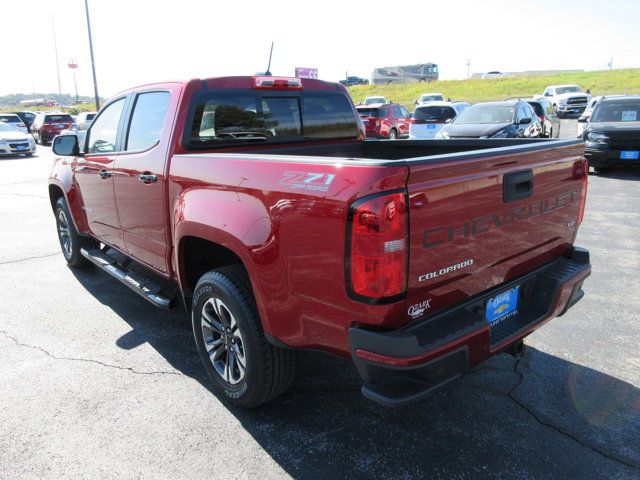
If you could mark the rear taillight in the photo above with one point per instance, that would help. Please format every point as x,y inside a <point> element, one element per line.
<point>413,121</point>
<point>584,167</point>
<point>377,247</point>
<point>541,117</point>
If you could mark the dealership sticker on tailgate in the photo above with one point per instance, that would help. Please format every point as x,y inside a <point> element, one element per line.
<point>502,306</point>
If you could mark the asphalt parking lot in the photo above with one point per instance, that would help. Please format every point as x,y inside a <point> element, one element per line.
<point>96,383</point>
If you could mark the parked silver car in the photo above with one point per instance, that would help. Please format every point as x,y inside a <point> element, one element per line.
<point>15,142</point>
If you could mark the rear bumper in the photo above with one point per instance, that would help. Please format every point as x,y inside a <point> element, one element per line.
<point>407,364</point>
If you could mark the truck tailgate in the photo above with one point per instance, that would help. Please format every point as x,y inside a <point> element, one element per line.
<point>479,219</point>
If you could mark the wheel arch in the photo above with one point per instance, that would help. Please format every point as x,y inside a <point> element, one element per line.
<point>57,190</point>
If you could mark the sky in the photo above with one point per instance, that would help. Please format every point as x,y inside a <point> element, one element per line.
<point>144,41</point>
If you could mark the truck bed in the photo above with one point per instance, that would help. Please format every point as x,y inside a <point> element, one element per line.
<point>414,150</point>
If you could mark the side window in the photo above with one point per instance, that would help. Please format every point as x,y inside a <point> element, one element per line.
<point>383,112</point>
<point>397,112</point>
<point>404,112</point>
<point>102,136</point>
<point>549,109</point>
<point>521,113</point>
<point>147,120</point>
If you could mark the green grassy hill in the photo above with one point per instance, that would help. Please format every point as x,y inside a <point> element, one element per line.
<point>605,82</point>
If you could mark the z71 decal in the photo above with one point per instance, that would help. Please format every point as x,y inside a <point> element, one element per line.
<point>317,182</point>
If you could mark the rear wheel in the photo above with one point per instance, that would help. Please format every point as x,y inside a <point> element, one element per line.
<point>392,134</point>
<point>244,367</point>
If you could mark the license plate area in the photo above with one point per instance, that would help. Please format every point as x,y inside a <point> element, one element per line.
<point>629,155</point>
<point>502,306</point>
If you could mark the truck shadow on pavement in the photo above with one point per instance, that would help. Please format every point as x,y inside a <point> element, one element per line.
<point>539,416</point>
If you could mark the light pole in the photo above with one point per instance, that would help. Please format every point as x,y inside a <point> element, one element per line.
<point>73,65</point>
<point>55,46</point>
<point>93,65</point>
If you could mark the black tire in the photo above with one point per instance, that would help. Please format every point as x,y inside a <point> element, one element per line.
<point>224,298</point>
<point>601,169</point>
<point>393,134</point>
<point>36,137</point>
<point>70,240</point>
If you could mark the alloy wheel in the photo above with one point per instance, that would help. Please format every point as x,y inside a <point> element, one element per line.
<point>223,341</point>
<point>63,232</point>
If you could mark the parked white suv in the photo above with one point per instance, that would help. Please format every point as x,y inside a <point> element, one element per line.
<point>429,118</point>
<point>566,98</point>
<point>375,100</point>
<point>429,97</point>
<point>84,120</point>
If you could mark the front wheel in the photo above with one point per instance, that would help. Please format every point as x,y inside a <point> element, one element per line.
<point>70,240</point>
<point>243,366</point>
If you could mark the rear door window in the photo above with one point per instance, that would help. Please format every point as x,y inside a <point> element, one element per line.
<point>147,120</point>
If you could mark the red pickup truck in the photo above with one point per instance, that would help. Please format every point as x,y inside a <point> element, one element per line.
<point>257,204</point>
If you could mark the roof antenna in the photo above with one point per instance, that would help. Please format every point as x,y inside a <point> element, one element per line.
<point>268,72</point>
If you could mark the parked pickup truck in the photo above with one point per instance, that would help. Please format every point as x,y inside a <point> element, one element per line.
<point>566,98</point>
<point>257,204</point>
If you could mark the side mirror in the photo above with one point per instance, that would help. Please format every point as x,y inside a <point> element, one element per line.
<point>448,120</point>
<point>548,94</point>
<point>66,145</point>
<point>582,119</point>
<point>74,127</point>
<point>524,121</point>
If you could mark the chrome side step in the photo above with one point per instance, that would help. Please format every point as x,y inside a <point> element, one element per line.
<point>143,286</point>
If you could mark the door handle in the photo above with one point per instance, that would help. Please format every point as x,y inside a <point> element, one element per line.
<point>104,174</point>
<point>148,178</point>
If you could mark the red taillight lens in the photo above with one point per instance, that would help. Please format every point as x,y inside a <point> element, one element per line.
<point>541,117</point>
<point>585,181</point>
<point>377,249</point>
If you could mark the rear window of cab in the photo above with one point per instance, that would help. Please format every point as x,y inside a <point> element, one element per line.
<point>226,118</point>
